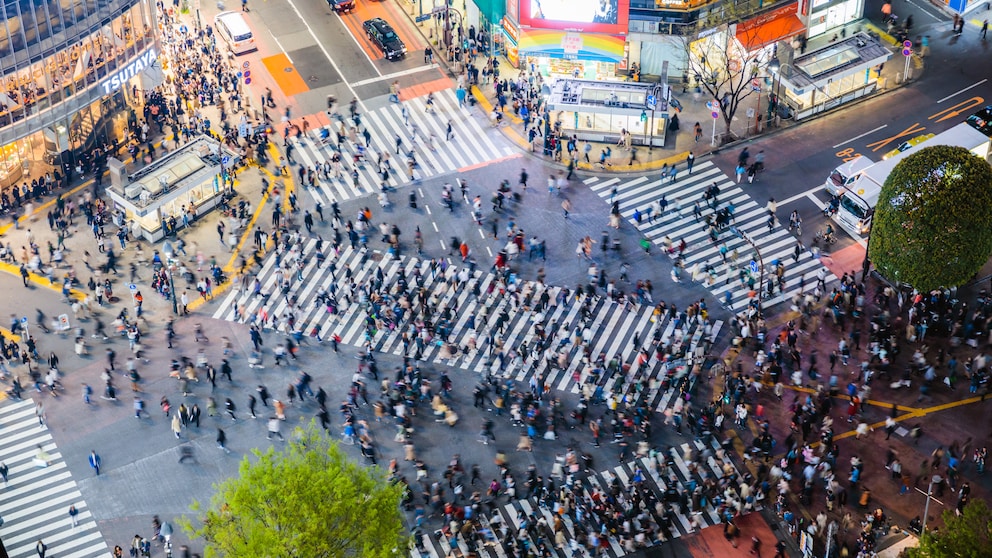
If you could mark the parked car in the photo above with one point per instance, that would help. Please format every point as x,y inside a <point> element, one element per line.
<point>382,36</point>
<point>342,6</point>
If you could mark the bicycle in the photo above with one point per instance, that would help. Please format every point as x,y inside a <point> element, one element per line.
<point>826,237</point>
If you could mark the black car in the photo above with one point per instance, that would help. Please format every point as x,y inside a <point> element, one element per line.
<point>342,6</point>
<point>383,36</point>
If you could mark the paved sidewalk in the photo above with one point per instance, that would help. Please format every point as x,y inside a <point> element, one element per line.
<point>947,416</point>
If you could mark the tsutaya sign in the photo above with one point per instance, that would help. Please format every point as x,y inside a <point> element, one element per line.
<point>116,81</point>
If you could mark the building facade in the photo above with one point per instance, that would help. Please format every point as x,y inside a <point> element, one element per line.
<point>580,39</point>
<point>71,70</point>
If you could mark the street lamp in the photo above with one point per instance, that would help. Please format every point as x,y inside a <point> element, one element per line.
<point>761,262</point>
<point>926,509</point>
<point>774,66</point>
<point>167,250</point>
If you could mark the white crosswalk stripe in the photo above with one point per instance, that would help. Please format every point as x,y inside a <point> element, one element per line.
<point>608,326</point>
<point>702,257</point>
<point>36,499</point>
<point>654,474</point>
<point>472,144</point>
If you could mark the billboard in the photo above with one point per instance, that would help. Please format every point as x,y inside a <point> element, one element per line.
<point>597,16</point>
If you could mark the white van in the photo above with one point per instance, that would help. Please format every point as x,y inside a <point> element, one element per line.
<point>845,174</point>
<point>857,207</point>
<point>233,28</point>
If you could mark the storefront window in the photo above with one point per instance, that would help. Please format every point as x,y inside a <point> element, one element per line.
<point>46,83</point>
<point>828,16</point>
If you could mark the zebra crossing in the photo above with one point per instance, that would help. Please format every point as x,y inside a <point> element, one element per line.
<point>606,327</point>
<point>421,132</point>
<point>749,217</point>
<point>39,491</point>
<point>655,473</point>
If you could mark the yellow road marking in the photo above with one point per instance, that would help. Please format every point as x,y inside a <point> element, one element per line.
<point>289,186</point>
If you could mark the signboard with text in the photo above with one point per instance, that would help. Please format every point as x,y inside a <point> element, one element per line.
<point>571,43</point>
<point>129,70</point>
<point>589,16</point>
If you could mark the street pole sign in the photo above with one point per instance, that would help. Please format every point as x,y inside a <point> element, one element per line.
<point>714,106</point>
<point>907,51</point>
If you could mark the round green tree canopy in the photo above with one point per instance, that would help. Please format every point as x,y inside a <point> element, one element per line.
<point>307,501</point>
<point>933,222</point>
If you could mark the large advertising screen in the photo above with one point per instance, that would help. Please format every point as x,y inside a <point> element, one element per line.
<point>598,16</point>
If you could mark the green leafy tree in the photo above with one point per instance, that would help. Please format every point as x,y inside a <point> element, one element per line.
<point>966,536</point>
<point>933,222</point>
<point>307,500</point>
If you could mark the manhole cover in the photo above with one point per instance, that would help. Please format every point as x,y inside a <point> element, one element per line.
<point>314,78</point>
<point>288,69</point>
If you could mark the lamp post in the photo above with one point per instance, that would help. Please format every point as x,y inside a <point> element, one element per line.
<point>926,508</point>
<point>774,66</point>
<point>644,121</point>
<point>167,250</point>
<point>757,253</point>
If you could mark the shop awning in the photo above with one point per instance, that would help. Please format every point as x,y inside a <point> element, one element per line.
<point>575,46</point>
<point>493,10</point>
<point>755,34</point>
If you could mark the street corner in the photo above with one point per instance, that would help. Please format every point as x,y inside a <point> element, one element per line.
<point>652,165</point>
<point>845,260</point>
<point>712,541</point>
<point>285,75</point>
<point>882,33</point>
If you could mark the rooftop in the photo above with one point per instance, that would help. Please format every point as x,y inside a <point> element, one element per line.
<point>191,164</point>
<point>837,59</point>
<point>622,94</point>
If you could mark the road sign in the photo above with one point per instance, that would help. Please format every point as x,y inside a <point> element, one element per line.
<point>750,112</point>
<point>24,320</point>
<point>225,160</point>
<point>716,115</point>
<point>652,102</point>
<point>239,74</point>
<point>711,105</point>
<point>423,17</point>
<point>907,51</point>
<point>247,81</point>
<point>246,65</point>
<point>132,287</point>
<point>247,73</point>
<point>63,322</point>
<point>907,44</point>
<point>754,266</point>
<point>755,85</point>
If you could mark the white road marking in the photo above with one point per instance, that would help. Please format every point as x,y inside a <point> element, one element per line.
<point>863,135</point>
<point>400,73</point>
<point>972,86</point>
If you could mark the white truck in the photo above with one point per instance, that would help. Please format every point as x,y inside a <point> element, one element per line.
<point>859,182</point>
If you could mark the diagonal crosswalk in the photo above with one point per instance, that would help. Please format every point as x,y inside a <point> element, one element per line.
<point>36,499</point>
<point>470,309</point>
<point>422,132</point>
<point>656,478</point>
<point>703,260</point>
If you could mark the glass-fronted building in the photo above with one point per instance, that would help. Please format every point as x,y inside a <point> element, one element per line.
<point>70,71</point>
